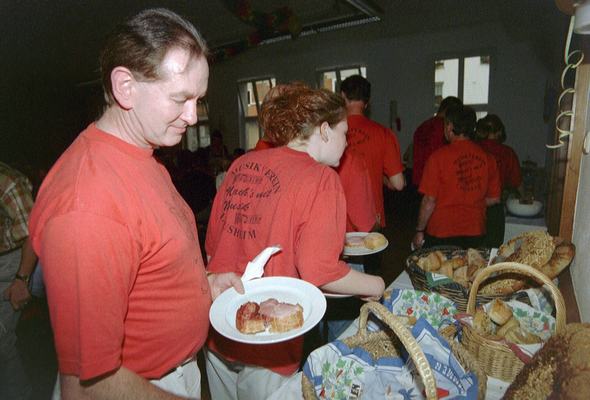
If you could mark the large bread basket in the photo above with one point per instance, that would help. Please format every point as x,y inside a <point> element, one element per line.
<point>495,357</point>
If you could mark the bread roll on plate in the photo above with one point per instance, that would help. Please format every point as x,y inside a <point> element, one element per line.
<point>374,240</point>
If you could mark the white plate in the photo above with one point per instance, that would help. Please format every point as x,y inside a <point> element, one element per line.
<point>336,295</point>
<point>361,251</point>
<point>288,290</point>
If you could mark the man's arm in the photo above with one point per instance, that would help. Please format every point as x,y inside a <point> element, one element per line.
<point>426,210</point>
<point>397,181</point>
<point>123,384</point>
<point>492,201</point>
<point>18,291</point>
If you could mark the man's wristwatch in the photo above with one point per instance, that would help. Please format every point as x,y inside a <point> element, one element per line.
<point>24,278</point>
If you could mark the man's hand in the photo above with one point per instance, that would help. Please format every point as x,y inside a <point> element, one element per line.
<point>18,294</point>
<point>418,240</point>
<point>218,283</point>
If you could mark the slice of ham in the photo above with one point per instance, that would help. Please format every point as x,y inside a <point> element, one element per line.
<point>267,307</point>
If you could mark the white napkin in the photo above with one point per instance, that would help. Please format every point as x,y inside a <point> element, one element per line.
<point>255,268</point>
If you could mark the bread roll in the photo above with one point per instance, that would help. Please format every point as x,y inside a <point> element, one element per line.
<point>475,259</point>
<point>285,317</point>
<point>432,262</point>
<point>482,323</point>
<point>374,240</point>
<point>354,241</point>
<point>455,262</point>
<point>512,323</point>
<point>446,269</point>
<point>499,312</point>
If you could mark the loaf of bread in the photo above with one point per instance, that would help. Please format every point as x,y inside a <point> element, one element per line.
<point>560,370</point>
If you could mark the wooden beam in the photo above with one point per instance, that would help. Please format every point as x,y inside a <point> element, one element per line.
<point>575,143</point>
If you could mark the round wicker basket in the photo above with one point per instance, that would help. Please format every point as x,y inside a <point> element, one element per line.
<point>495,357</point>
<point>387,344</point>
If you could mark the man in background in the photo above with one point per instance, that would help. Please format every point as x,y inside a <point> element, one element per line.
<point>429,137</point>
<point>377,146</point>
<point>17,261</point>
<point>460,180</point>
<point>126,286</point>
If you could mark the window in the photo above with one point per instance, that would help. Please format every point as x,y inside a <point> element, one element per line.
<point>250,96</point>
<point>198,135</point>
<point>465,77</point>
<point>331,79</point>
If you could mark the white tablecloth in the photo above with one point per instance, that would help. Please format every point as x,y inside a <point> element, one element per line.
<point>291,390</point>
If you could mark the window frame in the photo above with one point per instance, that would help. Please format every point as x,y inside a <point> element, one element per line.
<point>338,69</point>
<point>461,56</point>
<point>201,122</point>
<point>243,117</point>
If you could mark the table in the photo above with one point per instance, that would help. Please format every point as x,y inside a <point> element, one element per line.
<point>292,388</point>
<point>517,225</point>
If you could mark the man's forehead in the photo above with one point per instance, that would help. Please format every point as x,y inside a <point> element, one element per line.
<point>176,61</point>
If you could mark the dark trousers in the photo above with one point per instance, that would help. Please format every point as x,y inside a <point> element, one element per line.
<point>461,241</point>
<point>495,225</point>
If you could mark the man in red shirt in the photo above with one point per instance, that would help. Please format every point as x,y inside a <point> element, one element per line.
<point>127,290</point>
<point>460,180</point>
<point>377,146</point>
<point>430,136</point>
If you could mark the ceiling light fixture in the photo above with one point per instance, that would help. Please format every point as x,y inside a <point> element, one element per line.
<point>365,7</point>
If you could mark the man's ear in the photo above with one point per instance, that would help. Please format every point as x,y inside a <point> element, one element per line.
<point>324,131</point>
<point>122,81</point>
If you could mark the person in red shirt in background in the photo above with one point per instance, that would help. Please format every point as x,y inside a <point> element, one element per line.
<point>490,133</point>
<point>126,285</point>
<point>377,146</point>
<point>460,181</point>
<point>429,137</point>
<point>288,195</point>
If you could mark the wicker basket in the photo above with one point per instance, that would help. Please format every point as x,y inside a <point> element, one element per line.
<point>454,291</point>
<point>495,357</point>
<point>385,344</point>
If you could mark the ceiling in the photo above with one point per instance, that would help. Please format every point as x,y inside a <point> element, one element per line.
<point>64,36</point>
<point>59,40</point>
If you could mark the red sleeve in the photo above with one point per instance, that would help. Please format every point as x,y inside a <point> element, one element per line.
<point>429,185</point>
<point>320,239</point>
<point>513,166</point>
<point>494,182</point>
<point>392,160</point>
<point>360,204</point>
<point>89,266</point>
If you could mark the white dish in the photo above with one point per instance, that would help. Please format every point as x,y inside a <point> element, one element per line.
<point>336,295</point>
<point>523,210</point>
<point>361,251</point>
<point>288,290</point>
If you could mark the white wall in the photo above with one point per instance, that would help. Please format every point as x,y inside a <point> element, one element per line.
<point>401,68</point>
<point>580,268</point>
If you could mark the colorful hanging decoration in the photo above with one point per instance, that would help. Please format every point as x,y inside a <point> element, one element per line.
<point>268,25</point>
